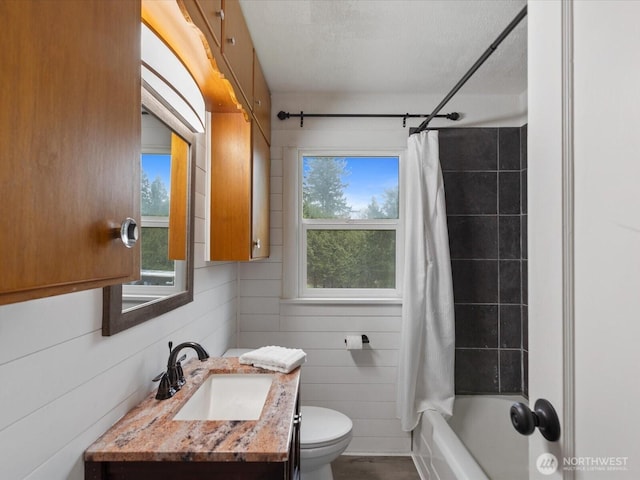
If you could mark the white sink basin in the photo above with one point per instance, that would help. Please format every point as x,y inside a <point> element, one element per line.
<point>228,397</point>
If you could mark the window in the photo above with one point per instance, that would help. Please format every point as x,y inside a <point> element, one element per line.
<point>348,219</point>
<point>155,267</point>
<point>162,263</point>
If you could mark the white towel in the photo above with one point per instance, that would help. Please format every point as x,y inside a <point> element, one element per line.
<point>278,359</point>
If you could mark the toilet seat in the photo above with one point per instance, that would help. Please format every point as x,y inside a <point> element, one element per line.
<point>323,426</point>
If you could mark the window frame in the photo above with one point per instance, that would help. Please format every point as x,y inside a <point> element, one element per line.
<point>145,293</point>
<point>140,292</point>
<point>295,264</point>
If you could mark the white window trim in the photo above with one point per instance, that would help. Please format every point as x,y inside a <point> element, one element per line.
<point>146,292</point>
<point>294,256</point>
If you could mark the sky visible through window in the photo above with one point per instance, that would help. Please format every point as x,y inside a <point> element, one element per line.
<point>366,178</point>
<point>157,165</point>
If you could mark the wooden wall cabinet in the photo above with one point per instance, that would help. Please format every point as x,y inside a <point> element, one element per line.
<point>240,155</point>
<point>70,143</point>
<point>260,195</point>
<point>230,44</point>
<point>237,48</point>
<point>261,100</point>
<point>240,167</point>
<point>213,13</point>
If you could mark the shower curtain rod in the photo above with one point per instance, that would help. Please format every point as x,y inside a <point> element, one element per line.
<point>473,69</point>
<point>436,112</point>
<point>284,115</point>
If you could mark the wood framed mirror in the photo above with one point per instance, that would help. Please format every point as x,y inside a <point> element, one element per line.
<point>167,185</point>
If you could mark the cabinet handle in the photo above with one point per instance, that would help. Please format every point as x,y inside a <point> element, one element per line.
<point>259,103</point>
<point>220,13</point>
<point>129,232</point>
<point>257,244</point>
<point>231,40</point>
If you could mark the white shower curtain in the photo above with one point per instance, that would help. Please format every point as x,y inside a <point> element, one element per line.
<point>426,358</point>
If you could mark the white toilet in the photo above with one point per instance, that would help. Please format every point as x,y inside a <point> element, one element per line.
<point>324,435</point>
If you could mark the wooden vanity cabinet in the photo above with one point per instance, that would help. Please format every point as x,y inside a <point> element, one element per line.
<point>240,470</point>
<point>70,143</point>
<point>294,448</point>
<point>188,471</point>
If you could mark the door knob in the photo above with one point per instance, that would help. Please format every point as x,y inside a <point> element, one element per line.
<point>129,232</point>
<point>544,417</point>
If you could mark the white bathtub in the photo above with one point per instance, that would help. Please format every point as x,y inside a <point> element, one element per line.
<point>478,442</point>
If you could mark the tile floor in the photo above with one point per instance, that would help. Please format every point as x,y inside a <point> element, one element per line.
<point>350,467</point>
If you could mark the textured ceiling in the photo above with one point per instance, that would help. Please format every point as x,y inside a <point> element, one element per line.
<point>387,46</point>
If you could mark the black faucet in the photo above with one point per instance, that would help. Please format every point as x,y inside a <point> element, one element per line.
<point>173,379</point>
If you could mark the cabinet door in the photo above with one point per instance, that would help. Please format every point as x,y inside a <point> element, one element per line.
<point>240,170</point>
<point>237,48</point>
<point>230,213</point>
<point>261,172</point>
<point>293,465</point>
<point>69,142</point>
<point>261,100</point>
<point>213,14</point>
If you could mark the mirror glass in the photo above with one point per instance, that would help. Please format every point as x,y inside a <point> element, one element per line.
<point>166,224</point>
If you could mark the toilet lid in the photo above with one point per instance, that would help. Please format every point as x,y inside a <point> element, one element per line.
<point>322,425</point>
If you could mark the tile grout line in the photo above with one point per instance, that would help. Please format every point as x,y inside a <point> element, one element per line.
<point>522,240</point>
<point>521,274</point>
<point>499,257</point>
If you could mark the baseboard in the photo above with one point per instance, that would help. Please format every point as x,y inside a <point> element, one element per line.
<point>377,454</point>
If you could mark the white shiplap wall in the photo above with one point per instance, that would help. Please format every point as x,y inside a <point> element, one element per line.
<point>62,384</point>
<point>360,384</point>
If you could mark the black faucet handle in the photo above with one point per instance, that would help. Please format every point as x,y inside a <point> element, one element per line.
<point>181,379</point>
<point>165,390</point>
<point>174,377</point>
<point>158,377</point>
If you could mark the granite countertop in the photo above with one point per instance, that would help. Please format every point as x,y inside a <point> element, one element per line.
<point>148,433</point>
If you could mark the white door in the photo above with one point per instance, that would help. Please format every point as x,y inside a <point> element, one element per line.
<point>584,235</point>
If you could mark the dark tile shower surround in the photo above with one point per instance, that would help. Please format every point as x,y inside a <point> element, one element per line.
<point>485,172</point>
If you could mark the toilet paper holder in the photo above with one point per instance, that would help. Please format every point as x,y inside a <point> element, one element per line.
<point>365,339</point>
